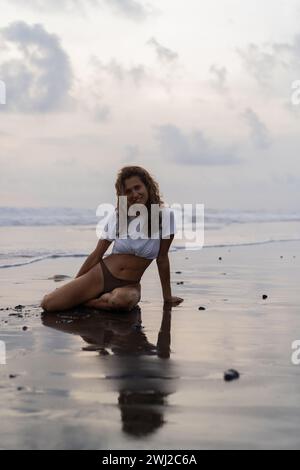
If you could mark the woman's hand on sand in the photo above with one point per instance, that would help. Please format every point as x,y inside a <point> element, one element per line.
<point>173,300</point>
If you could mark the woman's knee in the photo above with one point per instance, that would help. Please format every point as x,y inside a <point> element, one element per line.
<point>46,303</point>
<point>51,302</point>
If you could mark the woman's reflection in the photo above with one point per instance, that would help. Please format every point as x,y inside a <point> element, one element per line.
<point>143,382</point>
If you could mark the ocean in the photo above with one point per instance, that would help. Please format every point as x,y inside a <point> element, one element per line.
<point>29,235</point>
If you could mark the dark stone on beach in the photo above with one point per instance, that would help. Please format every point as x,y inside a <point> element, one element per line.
<point>180,283</point>
<point>178,272</point>
<point>1,308</point>
<point>25,328</point>
<point>264,297</point>
<point>20,389</point>
<point>281,257</point>
<point>59,277</point>
<point>231,375</point>
<point>220,258</point>
<point>201,308</point>
<point>19,307</point>
<point>12,376</point>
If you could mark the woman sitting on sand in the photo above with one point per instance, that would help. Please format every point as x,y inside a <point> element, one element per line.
<point>114,282</point>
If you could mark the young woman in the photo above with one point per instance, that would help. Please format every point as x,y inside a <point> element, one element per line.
<point>113,283</point>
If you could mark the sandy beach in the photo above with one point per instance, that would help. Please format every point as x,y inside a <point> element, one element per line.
<point>153,378</point>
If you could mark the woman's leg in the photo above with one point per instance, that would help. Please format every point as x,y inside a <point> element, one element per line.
<point>121,298</point>
<point>79,290</point>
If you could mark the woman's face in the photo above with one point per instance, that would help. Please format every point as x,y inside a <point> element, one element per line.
<point>135,190</point>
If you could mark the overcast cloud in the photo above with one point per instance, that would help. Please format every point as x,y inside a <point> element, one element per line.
<point>192,91</point>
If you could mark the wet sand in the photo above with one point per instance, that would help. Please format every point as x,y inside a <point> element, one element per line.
<point>153,378</point>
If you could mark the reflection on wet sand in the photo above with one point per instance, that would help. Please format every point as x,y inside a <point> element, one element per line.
<point>142,371</point>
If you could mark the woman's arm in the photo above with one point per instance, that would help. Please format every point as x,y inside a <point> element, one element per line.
<point>163,265</point>
<point>94,257</point>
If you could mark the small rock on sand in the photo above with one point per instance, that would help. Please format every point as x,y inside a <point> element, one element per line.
<point>58,277</point>
<point>201,308</point>
<point>231,375</point>
<point>264,297</point>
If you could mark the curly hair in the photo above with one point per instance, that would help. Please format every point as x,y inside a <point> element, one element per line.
<point>147,179</point>
<point>149,182</point>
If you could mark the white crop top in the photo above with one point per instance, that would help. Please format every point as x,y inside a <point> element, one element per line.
<point>143,247</point>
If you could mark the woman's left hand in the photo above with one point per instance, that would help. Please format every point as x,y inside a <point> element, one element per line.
<point>173,300</point>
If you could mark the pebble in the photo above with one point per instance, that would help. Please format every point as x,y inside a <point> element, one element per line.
<point>59,277</point>
<point>25,328</point>
<point>264,297</point>
<point>230,375</point>
<point>180,283</point>
<point>220,258</point>
<point>178,272</point>
<point>201,308</point>
<point>19,307</point>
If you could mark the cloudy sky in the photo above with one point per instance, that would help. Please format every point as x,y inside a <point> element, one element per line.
<point>197,92</point>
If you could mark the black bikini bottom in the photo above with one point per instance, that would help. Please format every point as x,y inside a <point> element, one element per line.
<point>110,281</point>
